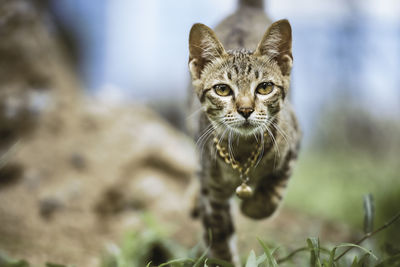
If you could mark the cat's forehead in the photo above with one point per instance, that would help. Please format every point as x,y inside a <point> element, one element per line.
<point>240,67</point>
<point>240,57</point>
<point>241,53</point>
<point>243,65</point>
<point>233,65</point>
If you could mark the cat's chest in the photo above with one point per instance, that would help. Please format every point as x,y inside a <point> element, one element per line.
<point>262,168</point>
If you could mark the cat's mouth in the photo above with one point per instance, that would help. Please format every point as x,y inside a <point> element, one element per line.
<point>246,126</point>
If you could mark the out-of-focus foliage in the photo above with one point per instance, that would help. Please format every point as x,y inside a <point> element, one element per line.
<point>353,153</point>
<point>138,248</point>
<point>6,261</point>
<point>140,244</point>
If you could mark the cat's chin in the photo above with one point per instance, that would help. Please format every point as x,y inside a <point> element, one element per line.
<point>246,129</point>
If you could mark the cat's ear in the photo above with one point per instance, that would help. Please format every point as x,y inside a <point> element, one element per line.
<point>204,47</point>
<point>277,44</point>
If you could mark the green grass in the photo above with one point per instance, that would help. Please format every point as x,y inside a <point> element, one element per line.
<point>330,185</point>
<point>312,254</point>
<point>317,257</point>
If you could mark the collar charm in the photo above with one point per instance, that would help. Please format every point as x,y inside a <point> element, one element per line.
<point>243,191</point>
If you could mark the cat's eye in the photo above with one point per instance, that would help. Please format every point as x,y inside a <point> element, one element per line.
<point>222,89</point>
<point>265,88</point>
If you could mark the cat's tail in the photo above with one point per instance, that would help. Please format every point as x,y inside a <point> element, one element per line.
<point>251,3</point>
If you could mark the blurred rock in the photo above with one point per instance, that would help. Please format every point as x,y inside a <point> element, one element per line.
<point>78,161</point>
<point>34,73</point>
<point>73,171</point>
<point>48,206</point>
<point>10,174</point>
<point>137,163</point>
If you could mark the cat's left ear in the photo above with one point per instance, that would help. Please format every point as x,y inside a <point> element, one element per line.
<point>277,44</point>
<point>204,47</point>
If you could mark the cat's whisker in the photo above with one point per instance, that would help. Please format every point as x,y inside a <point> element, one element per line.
<point>203,140</point>
<point>262,148</point>
<point>207,133</point>
<point>209,129</point>
<point>281,132</point>
<point>271,135</point>
<point>275,142</point>
<point>255,137</point>
<point>230,150</point>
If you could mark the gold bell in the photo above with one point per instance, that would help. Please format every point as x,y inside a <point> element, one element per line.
<point>244,191</point>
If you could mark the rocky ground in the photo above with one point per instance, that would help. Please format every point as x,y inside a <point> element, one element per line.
<point>81,181</point>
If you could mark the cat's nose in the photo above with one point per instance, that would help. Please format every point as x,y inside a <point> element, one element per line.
<point>245,112</point>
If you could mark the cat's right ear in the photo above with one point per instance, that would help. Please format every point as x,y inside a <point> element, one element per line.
<point>204,47</point>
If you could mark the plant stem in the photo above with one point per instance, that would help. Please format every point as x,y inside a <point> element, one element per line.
<point>368,235</point>
<point>291,254</point>
<point>294,252</point>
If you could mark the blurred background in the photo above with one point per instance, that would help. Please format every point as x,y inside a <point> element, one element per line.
<point>93,98</point>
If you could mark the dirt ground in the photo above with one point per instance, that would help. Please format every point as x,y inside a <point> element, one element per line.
<point>83,179</point>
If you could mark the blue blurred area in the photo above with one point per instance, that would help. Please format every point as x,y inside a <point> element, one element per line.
<point>347,49</point>
<point>87,20</point>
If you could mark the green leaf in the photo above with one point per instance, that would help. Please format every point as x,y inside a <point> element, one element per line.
<point>357,246</point>
<point>313,245</point>
<point>261,259</point>
<point>182,260</point>
<point>5,261</point>
<point>269,254</point>
<point>369,211</point>
<point>201,259</point>
<point>251,260</point>
<point>325,263</point>
<point>49,264</point>
<point>364,260</point>
<point>148,264</point>
<point>355,262</point>
<point>331,262</point>
<point>220,262</point>
<point>193,252</point>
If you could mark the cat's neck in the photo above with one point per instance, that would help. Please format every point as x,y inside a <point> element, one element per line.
<point>241,146</point>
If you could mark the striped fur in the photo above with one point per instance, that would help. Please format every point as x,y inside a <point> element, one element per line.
<point>243,71</point>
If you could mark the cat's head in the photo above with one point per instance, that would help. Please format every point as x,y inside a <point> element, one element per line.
<point>241,90</point>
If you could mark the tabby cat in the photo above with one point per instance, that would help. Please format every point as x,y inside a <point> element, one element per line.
<point>247,132</point>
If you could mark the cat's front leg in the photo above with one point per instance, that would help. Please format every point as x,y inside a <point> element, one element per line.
<point>270,190</point>
<point>266,198</point>
<point>218,224</point>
